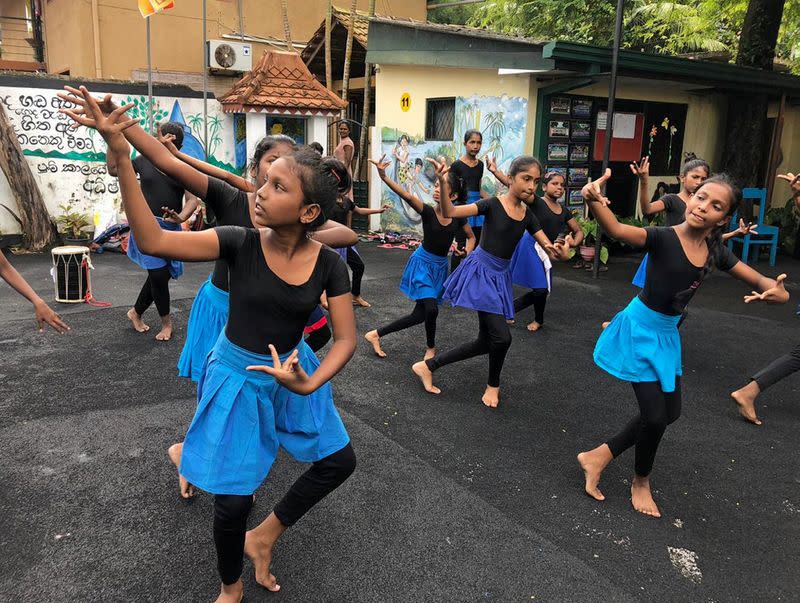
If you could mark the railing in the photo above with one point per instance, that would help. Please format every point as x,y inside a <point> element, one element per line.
<point>21,40</point>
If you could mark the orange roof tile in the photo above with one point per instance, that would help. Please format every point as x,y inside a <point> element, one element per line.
<point>281,83</point>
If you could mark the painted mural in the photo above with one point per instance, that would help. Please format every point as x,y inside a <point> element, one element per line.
<point>501,119</point>
<point>70,164</point>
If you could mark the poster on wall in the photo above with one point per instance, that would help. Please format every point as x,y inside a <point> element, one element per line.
<point>581,130</point>
<point>558,169</point>
<point>559,105</point>
<point>559,129</point>
<point>557,151</point>
<point>664,125</point>
<point>578,176</point>
<point>579,153</point>
<point>574,197</point>
<point>581,107</point>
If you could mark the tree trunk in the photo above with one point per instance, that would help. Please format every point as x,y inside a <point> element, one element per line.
<point>362,141</point>
<point>33,214</point>
<point>746,129</point>
<point>347,54</point>
<point>328,66</point>
<point>287,32</point>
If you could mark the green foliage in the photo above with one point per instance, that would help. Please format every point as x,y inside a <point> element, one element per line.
<point>72,222</point>
<point>139,111</point>
<point>786,218</point>
<point>456,15</point>
<point>589,228</point>
<point>649,25</point>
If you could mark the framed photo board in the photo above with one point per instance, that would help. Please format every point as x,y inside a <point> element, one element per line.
<point>581,107</point>
<point>560,105</point>
<point>581,130</point>
<point>557,151</point>
<point>579,153</point>
<point>574,197</point>
<point>578,176</point>
<point>559,169</point>
<point>559,129</point>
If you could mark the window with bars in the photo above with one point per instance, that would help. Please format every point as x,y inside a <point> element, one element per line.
<point>440,117</point>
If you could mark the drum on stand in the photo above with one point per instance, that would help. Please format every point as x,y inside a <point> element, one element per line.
<point>71,266</point>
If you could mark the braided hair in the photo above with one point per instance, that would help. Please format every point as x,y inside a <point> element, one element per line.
<point>322,179</point>
<point>692,162</point>
<point>714,240</point>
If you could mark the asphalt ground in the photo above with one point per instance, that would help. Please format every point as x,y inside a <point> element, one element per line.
<point>451,501</point>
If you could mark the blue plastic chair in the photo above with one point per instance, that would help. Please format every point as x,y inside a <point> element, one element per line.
<point>767,235</point>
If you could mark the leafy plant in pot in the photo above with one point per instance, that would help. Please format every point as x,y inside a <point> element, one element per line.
<point>589,228</point>
<point>74,225</point>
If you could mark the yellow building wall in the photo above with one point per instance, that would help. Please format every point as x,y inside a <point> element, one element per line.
<point>177,35</point>
<point>392,81</point>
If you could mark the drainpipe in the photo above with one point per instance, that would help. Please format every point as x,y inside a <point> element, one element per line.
<point>98,63</point>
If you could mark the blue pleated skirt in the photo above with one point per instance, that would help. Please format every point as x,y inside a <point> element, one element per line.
<point>527,268</point>
<point>641,274</point>
<point>424,275</point>
<point>481,282</point>
<point>640,345</point>
<point>342,251</point>
<point>473,197</point>
<point>243,417</point>
<point>151,262</point>
<point>206,321</point>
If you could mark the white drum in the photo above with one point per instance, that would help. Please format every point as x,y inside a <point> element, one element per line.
<point>71,266</point>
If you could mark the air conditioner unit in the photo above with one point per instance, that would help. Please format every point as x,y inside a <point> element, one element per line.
<point>229,56</point>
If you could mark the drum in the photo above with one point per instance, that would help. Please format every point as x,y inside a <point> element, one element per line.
<point>71,266</point>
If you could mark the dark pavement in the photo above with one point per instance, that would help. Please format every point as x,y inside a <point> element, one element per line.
<point>451,501</point>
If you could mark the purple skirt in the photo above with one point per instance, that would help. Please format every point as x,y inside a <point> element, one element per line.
<point>342,251</point>
<point>481,282</point>
<point>527,269</point>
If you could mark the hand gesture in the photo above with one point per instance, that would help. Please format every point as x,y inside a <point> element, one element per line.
<point>106,104</point>
<point>45,314</point>
<point>592,191</point>
<point>491,163</point>
<point>381,165</point>
<point>440,168</point>
<point>168,140</point>
<point>384,207</point>
<point>170,215</point>
<point>775,295</point>
<point>109,126</point>
<point>289,374</point>
<point>793,180</point>
<point>642,169</point>
<point>459,252</point>
<point>745,229</point>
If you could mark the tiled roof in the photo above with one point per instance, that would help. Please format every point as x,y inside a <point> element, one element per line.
<point>281,83</point>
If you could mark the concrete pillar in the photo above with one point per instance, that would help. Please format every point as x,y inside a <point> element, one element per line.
<point>317,130</point>
<point>256,130</point>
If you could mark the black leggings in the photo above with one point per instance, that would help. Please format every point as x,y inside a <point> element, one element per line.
<point>657,409</point>
<point>426,310</point>
<point>231,511</point>
<point>316,340</point>
<point>778,369</point>
<point>535,297</point>
<point>357,266</point>
<point>494,338</point>
<point>155,289</point>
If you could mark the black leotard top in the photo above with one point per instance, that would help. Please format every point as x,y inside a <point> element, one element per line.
<point>553,224</point>
<point>669,271</point>
<point>265,309</point>
<point>436,238</point>
<point>471,177</point>
<point>159,190</point>
<point>341,211</point>
<point>675,209</point>
<point>501,233</point>
<point>231,208</point>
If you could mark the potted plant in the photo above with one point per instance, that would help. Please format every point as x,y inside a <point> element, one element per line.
<point>74,225</point>
<point>589,228</point>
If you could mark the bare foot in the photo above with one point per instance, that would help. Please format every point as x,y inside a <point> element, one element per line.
<point>375,340</point>
<point>534,326</point>
<point>174,453</point>
<point>746,401</point>
<point>593,462</point>
<point>260,553</point>
<point>605,324</point>
<point>231,593</point>
<point>137,321</point>
<point>491,397</point>
<point>166,329</point>
<point>360,301</point>
<point>510,321</point>
<point>429,353</point>
<point>642,498</point>
<point>421,370</point>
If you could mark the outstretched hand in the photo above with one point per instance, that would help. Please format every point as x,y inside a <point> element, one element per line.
<point>45,314</point>
<point>793,180</point>
<point>106,104</point>
<point>745,229</point>
<point>109,126</point>
<point>592,191</point>
<point>168,140</point>
<point>288,373</point>
<point>774,295</point>
<point>381,165</point>
<point>491,163</point>
<point>642,169</point>
<point>440,167</point>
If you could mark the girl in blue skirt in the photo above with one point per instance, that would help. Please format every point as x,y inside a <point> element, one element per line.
<point>482,282</point>
<point>642,344</point>
<point>426,269</point>
<point>262,387</point>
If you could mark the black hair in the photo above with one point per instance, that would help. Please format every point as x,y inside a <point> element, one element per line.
<point>552,174</point>
<point>317,147</point>
<point>176,129</point>
<point>470,133</point>
<point>692,162</point>
<point>418,161</point>
<point>402,136</point>
<point>714,240</point>
<point>454,184</point>
<point>268,143</point>
<point>344,121</point>
<point>522,163</point>
<point>322,180</point>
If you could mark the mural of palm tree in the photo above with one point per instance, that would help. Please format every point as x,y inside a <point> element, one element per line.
<point>196,124</point>
<point>495,129</point>
<point>215,125</point>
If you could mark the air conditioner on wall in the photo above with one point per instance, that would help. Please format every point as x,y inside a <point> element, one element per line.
<point>229,56</point>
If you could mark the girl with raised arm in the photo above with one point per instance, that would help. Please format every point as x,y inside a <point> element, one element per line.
<point>642,344</point>
<point>426,270</point>
<point>262,387</point>
<point>482,282</point>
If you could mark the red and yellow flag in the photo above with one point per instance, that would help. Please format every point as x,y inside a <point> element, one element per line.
<point>151,7</point>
